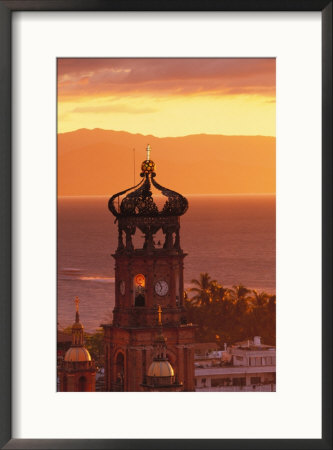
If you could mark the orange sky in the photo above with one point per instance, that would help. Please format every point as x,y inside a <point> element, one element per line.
<point>168,97</point>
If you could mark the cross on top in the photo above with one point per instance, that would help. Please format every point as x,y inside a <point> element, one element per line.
<point>148,152</point>
<point>77,301</point>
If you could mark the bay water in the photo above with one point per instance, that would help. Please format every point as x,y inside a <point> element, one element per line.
<point>231,237</point>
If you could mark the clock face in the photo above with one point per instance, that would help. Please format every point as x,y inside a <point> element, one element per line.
<point>161,288</point>
<point>122,287</point>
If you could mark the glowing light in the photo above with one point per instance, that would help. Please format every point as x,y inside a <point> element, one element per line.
<point>140,280</point>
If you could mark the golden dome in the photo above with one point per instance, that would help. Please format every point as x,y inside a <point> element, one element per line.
<point>77,354</point>
<point>160,369</point>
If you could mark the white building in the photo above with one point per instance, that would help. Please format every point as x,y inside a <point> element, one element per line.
<point>245,366</point>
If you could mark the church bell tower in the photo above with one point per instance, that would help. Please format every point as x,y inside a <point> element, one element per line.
<point>148,276</point>
<point>77,372</point>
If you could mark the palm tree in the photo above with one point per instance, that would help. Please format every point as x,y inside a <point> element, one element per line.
<point>240,312</point>
<point>260,299</point>
<point>203,293</point>
<point>186,298</point>
<point>239,292</point>
<point>272,305</point>
<point>218,292</point>
<point>271,322</point>
<point>257,314</point>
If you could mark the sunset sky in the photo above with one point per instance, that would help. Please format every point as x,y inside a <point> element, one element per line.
<point>168,97</point>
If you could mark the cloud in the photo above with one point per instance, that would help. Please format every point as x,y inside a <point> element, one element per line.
<point>165,76</point>
<point>113,108</point>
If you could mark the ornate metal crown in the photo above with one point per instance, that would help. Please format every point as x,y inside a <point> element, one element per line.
<point>140,201</point>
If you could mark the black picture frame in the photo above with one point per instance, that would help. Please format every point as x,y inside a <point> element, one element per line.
<point>7,7</point>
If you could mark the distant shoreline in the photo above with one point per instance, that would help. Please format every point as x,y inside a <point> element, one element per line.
<point>186,195</point>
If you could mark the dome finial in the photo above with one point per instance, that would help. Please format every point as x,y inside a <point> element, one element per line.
<point>77,328</point>
<point>148,166</point>
<point>148,152</point>
<point>159,315</point>
<point>77,301</point>
<point>160,340</point>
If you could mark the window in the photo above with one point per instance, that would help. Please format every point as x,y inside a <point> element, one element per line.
<point>82,384</point>
<point>139,289</point>
<point>239,381</point>
<point>217,382</point>
<point>64,383</point>
<point>120,371</point>
<point>255,380</point>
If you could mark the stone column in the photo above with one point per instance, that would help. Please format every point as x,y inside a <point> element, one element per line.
<point>149,283</point>
<point>190,368</point>
<point>131,370</point>
<point>138,370</point>
<point>180,363</point>
<point>129,294</point>
<point>181,282</point>
<point>109,367</point>
<point>93,382</point>
<point>172,269</point>
<point>106,371</point>
<point>71,383</point>
<point>112,369</point>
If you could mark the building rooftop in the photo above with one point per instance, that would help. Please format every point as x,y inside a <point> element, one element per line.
<point>229,370</point>
<point>253,347</point>
<point>206,346</point>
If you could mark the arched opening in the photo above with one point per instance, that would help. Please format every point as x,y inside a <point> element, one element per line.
<point>119,384</point>
<point>159,239</point>
<point>64,383</point>
<point>82,386</point>
<point>139,290</point>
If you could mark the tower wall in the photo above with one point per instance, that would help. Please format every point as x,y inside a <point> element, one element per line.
<point>72,381</point>
<point>156,266</point>
<point>136,344</point>
<point>146,279</point>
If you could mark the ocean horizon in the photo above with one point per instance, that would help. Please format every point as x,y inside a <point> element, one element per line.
<point>229,236</point>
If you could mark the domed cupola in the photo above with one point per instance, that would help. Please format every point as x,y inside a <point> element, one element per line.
<point>160,374</point>
<point>149,207</point>
<point>77,352</point>
<point>77,371</point>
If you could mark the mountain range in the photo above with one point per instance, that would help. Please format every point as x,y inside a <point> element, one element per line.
<point>102,162</point>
